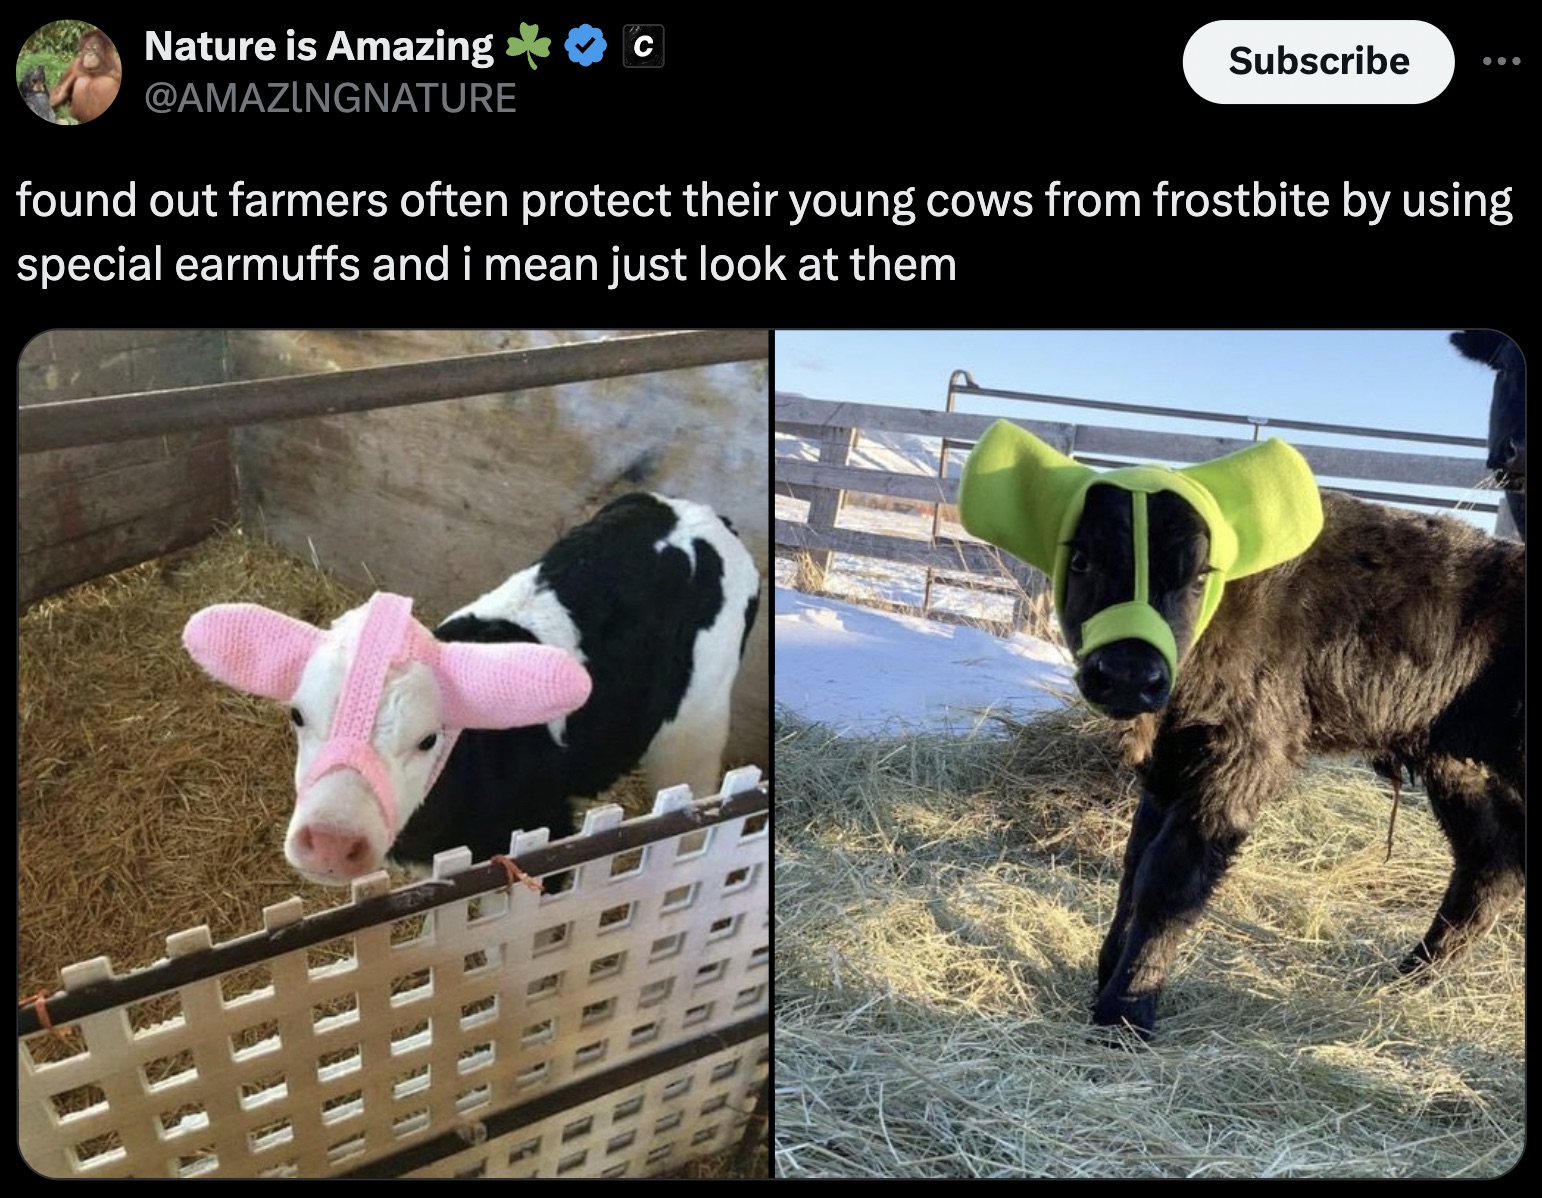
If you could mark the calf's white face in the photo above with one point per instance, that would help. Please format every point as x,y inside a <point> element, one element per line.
<point>345,820</point>
<point>377,703</point>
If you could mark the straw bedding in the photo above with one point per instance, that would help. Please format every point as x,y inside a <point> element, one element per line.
<point>940,902</point>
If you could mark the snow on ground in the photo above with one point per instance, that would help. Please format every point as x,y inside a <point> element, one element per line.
<point>861,671</point>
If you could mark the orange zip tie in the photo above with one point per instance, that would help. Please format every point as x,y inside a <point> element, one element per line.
<point>39,1003</point>
<point>516,875</point>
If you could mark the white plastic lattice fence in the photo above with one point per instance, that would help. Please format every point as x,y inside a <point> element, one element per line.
<point>617,1027</point>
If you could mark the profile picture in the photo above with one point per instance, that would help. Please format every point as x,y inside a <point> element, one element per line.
<point>68,73</point>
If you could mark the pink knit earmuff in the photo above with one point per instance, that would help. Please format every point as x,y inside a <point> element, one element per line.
<point>264,652</point>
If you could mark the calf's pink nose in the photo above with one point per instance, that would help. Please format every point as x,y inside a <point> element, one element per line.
<point>324,849</point>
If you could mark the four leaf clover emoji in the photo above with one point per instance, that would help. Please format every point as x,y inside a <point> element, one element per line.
<point>527,44</point>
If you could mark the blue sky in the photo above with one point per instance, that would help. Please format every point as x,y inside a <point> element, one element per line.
<point>1407,380</point>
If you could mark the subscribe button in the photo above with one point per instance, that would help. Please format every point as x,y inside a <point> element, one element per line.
<point>1318,62</point>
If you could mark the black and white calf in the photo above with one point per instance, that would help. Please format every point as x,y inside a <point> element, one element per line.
<point>618,648</point>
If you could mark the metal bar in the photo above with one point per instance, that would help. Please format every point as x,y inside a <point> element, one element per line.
<point>1227,417</point>
<point>111,418</point>
<point>957,378</point>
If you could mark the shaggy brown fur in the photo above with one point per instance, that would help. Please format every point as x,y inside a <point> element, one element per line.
<point>1396,634</point>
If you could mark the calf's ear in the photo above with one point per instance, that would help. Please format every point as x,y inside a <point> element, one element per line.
<point>508,686</point>
<point>1267,496</point>
<point>1017,492</point>
<point>252,648</point>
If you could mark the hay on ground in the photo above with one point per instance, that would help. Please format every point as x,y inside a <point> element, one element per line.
<point>940,902</point>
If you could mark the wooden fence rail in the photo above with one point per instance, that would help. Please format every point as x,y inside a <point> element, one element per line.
<point>835,427</point>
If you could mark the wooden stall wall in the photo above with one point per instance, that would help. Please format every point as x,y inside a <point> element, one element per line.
<point>442,501</point>
<point>88,511</point>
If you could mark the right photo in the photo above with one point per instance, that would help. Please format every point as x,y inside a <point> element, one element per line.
<point>1149,749</point>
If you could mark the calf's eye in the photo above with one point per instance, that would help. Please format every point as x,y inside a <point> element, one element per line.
<point>1079,562</point>
<point>428,742</point>
<point>296,718</point>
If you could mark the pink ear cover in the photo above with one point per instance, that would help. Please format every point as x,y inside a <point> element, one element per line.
<point>508,686</point>
<point>251,648</point>
<point>264,652</point>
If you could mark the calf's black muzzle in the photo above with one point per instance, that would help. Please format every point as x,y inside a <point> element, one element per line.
<point>1125,679</point>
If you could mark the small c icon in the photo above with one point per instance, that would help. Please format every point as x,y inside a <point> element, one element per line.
<point>643,46</point>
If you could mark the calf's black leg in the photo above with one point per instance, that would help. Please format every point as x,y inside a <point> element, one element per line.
<point>1203,792</point>
<point>1160,898</point>
<point>1484,820</point>
<point>1146,824</point>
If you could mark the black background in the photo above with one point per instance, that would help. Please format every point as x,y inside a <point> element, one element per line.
<point>807,100</point>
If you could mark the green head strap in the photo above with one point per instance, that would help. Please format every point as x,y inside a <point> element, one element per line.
<point>1260,507</point>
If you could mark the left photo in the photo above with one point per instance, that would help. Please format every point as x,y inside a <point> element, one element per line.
<point>394,753</point>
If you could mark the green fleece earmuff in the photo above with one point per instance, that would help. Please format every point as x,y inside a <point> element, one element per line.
<point>1260,506</point>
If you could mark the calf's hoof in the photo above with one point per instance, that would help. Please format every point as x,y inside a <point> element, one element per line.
<point>1137,1014</point>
